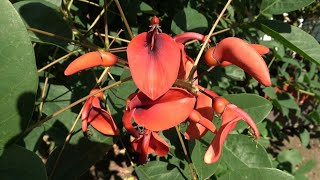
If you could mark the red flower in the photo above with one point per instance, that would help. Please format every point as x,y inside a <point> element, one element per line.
<point>231,114</point>
<point>163,113</point>
<point>240,53</point>
<point>149,142</point>
<point>97,117</point>
<point>154,60</point>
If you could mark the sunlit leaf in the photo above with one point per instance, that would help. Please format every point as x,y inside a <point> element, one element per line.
<point>19,78</point>
<point>294,38</point>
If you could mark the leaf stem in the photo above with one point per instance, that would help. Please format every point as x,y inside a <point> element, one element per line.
<point>124,19</point>
<point>193,70</point>
<point>192,171</point>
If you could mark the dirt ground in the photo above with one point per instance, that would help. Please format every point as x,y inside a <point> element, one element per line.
<point>308,153</point>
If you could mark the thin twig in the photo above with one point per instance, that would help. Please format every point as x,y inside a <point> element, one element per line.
<point>124,19</point>
<point>194,176</point>
<point>75,103</point>
<point>207,41</point>
<point>58,60</point>
<point>213,34</point>
<point>43,94</point>
<point>65,143</point>
<point>89,2</point>
<point>93,47</point>
<point>113,37</point>
<point>106,39</point>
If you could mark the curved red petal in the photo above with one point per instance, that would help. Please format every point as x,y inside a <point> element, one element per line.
<point>167,111</point>
<point>230,117</point>
<point>240,53</point>
<point>153,69</point>
<point>126,119</point>
<point>103,122</point>
<point>187,36</point>
<point>160,146</point>
<point>86,108</point>
<point>214,150</point>
<point>261,49</point>
<point>85,61</point>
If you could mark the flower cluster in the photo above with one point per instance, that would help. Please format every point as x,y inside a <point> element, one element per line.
<point>161,69</point>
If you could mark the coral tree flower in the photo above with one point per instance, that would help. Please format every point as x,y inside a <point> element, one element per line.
<point>149,142</point>
<point>97,117</point>
<point>154,60</point>
<point>163,113</point>
<point>235,51</point>
<point>230,115</point>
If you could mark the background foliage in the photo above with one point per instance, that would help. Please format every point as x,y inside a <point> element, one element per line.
<point>34,33</point>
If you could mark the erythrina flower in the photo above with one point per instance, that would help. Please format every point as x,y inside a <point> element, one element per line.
<point>240,53</point>
<point>149,142</point>
<point>154,60</point>
<point>230,115</point>
<point>163,113</point>
<point>96,116</point>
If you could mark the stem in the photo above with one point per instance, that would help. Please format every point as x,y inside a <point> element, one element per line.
<point>124,19</point>
<point>306,92</point>
<point>109,36</point>
<point>193,70</point>
<point>213,34</point>
<point>74,104</point>
<point>271,62</point>
<point>106,39</point>
<point>103,75</point>
<point>69,5</point>
<point>114,39</point>
<point>58,60</point>
<point>91,46</point>
<point>44,90</point>
<point>194,176</point>
<point>203,73</point>
<point>89,2</point>
<point>65,143</point>
<point>96,20</point>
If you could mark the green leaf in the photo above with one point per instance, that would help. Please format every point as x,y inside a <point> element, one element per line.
<point>294,38</point>
<point>47,18</point>
<point>271,92</point>
<point>305,137</point>
<point>256,173</point>
<point>79,155</point>
<point>189,19</point>
<point>293,156</point>
<point>197,150</point>
<point>256,106</point>
<point>235,73</point>
<point>162,170</point>
<point>240,151</point>
<point>19,163</point>
<point>80,151</point>
<point>19,78</point>
<point>282,6</point>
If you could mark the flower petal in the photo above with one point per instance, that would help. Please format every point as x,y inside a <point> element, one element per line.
<point>153,69</point>
<point>204,107</point>
<point>102,121</point>
<point>230,117</point>
<point>242,54</point>
<point>167,111</point>
<point>160,146</point>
